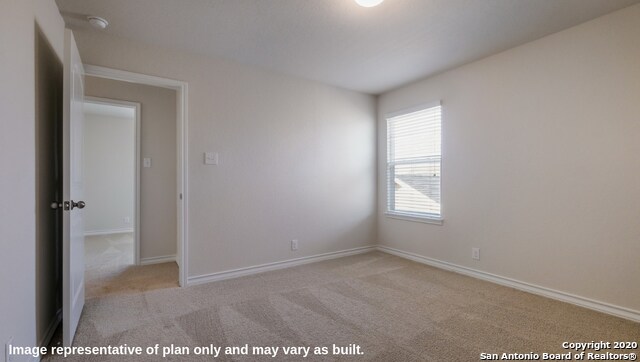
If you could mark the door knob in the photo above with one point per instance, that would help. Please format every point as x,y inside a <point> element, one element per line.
<point>68,205</point>
<point>79,204</point>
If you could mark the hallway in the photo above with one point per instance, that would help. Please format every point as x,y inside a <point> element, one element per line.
<point>110,268</point>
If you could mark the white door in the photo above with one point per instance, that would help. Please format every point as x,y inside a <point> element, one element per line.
<point>72,192</point>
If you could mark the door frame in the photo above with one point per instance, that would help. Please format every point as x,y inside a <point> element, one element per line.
<point>136,165</point>
<point>182,133</point>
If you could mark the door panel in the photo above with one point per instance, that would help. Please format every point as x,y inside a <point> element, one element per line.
<point>48,187</point>
<point>73,189</point>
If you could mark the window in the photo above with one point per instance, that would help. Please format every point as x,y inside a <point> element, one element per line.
<point>413,164</point>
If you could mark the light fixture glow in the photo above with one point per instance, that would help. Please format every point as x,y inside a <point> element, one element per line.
<point>98,22</point>
<point>369,3</point>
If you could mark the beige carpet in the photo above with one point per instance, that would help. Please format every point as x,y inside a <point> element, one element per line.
<point>109,268</point>
<point>394,309</point>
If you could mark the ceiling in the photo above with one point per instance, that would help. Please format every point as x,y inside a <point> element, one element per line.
<point>371,50</point>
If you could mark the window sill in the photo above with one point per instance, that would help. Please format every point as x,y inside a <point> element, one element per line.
<point>414,218</point>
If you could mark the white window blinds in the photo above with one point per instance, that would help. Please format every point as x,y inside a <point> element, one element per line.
<point>413,163</point>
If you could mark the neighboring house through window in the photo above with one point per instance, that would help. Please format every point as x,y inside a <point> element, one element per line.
<point>413,163</point>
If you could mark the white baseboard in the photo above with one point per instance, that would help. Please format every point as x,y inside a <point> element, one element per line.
<point>157,259</point>
<point>105,232</point>
<point>235,273</point>
<point>603,307</point>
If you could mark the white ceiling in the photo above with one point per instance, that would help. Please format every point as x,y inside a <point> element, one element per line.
<point>371,50</point>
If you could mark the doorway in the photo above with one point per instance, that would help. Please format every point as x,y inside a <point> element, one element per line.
<point>111,136</point>
<point>174,246</point>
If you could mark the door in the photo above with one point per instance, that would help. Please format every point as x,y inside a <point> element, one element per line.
<point>72,191</point>
<point>48,127</point>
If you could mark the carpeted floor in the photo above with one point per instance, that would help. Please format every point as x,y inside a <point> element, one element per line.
<point>393,309</point>
<point>109,268</point>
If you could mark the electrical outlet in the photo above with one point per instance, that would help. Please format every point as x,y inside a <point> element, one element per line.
<point>475,253</point>
<point>294,244</point>
<point>8,357</point>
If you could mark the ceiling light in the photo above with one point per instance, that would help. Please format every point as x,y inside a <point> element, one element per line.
<point>369,3</point>
<point>97,22</point>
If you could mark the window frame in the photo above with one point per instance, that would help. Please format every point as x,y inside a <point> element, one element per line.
<point>402,215</point>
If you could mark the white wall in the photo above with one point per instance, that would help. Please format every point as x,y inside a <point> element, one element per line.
<point>540,162</point>
<point>17,155</point>
<point>297,158</point>
<point>108,164</point>
<point>158,142</point>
